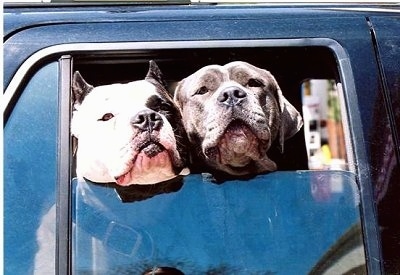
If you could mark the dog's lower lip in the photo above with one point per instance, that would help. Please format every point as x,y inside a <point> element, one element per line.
<point>120,179</point>
<point>152,149</point>
<point>245,168</point>
<point>237,146</point>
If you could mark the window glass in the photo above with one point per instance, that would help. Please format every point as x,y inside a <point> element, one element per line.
<point>30,146</point>
<point>276,223</point>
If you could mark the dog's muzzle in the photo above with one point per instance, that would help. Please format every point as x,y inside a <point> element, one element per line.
<point>147,120</point>
<point>231,96</point>
<point>238,148</point>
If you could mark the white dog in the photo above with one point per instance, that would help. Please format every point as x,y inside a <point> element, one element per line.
<point>127,133</point>
<point>130,135</point>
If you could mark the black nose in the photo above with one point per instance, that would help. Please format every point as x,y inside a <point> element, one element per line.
<point>147,121</point>
<point>231,96</point>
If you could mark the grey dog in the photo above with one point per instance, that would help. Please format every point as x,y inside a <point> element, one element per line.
<point>233,114</point>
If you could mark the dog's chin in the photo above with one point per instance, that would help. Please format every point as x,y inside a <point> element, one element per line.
<point>151,165</point>
<point>239,152</point>
<point>252,167</point>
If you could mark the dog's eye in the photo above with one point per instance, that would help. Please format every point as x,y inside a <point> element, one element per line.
<point>106,117</point>
<point>202,90</point>
<point>254,83</point>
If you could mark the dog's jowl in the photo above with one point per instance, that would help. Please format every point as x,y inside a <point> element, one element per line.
<point>127,133</point>
<point>233,114</point>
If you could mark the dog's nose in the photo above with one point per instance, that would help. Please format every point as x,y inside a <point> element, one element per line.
<point>147,120</point>
<point>231,96</point>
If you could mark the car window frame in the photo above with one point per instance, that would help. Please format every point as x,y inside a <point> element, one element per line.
<point>355,143</point>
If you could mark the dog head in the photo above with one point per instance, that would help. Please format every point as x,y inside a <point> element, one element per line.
<point>232,114</point>
<point>127,133</point>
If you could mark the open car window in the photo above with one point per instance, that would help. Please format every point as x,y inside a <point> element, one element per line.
<point>304,217</point>
<point>323,125</point>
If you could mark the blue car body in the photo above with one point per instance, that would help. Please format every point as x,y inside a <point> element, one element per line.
<point>273,220</point>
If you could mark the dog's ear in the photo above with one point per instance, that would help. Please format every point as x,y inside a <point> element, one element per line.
<point>178,95</point>
<point>291,120</point>
<point>80,88</point>
<point>155,76</point>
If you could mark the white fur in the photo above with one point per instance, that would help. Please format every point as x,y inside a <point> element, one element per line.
<point>105,148</point>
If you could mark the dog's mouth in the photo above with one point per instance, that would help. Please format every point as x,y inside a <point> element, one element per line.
<point>151,164</point>
<point>151,149</point>
<point>239,151</point>
<point>237,147</point>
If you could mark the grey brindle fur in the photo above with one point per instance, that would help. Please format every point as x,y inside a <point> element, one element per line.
<point>233,114</point>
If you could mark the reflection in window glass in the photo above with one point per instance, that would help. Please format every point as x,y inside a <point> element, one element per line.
<point>323,127</point>
<point>280,223</point>
<point>30,161</point>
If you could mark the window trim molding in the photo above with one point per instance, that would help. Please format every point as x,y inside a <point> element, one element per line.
<point>354,140</point>
<point>64,200</point>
